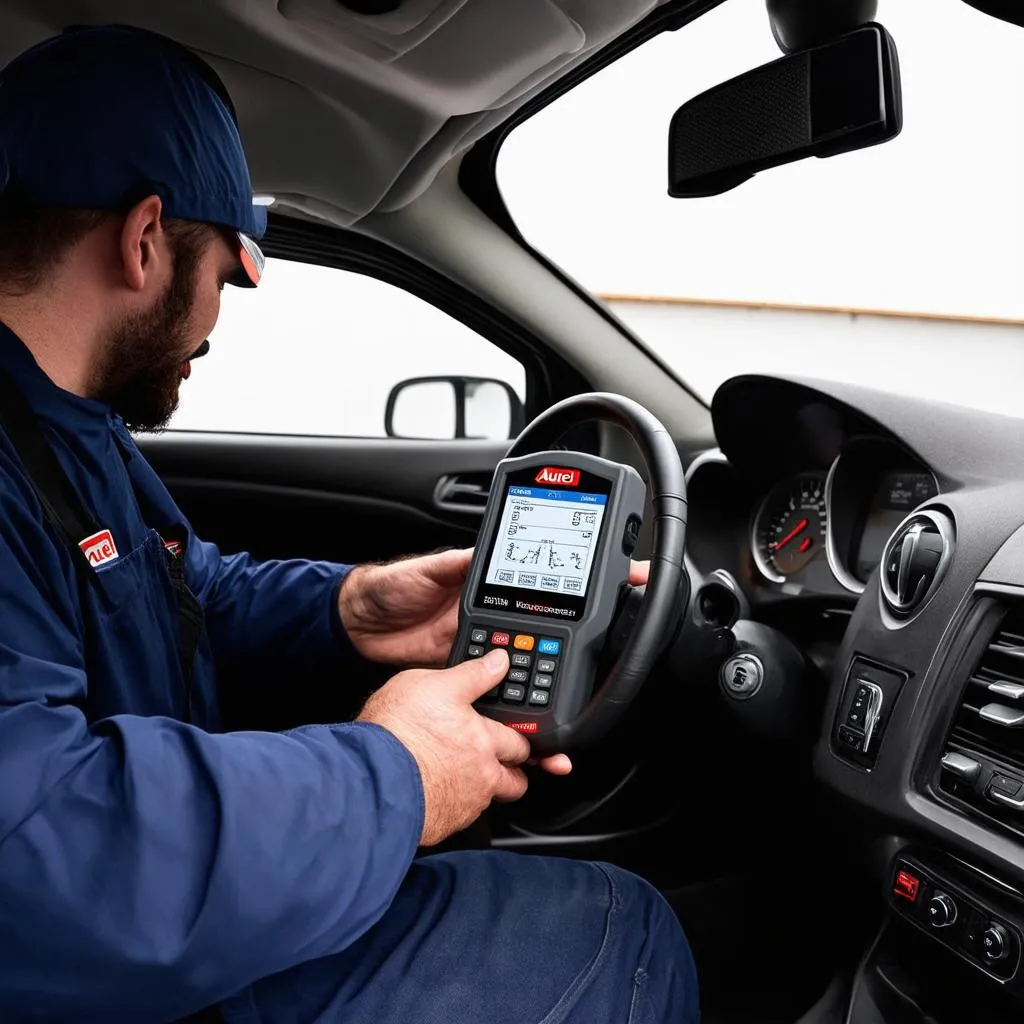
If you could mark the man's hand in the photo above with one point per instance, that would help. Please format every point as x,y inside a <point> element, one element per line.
<point>407,612</point>
<point>465,760</point>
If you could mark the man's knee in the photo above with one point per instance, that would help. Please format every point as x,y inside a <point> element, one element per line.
<point>665,978</point>
<point>642,901</point>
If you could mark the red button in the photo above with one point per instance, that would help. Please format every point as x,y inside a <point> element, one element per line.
<point>500,639</point>
<point>906,885</point>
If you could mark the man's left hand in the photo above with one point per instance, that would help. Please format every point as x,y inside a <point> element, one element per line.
<point>407,612</point>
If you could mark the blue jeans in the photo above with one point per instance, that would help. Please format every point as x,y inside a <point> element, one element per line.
<point>497,938</point>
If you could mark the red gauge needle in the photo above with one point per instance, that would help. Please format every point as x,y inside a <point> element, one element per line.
<point>805,545</point>
<point>799,528</point>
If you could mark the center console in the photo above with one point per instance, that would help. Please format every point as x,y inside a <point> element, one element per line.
<point>932,751</point>
<point>971,916</point>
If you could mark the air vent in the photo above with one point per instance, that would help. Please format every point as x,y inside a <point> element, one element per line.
<point>984,758</point>
<point>915,559</point>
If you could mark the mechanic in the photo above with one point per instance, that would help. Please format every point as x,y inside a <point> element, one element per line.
<point>151,865</point>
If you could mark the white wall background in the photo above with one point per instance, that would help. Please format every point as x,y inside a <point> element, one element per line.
<point>931,221</point>
<point>315,351</point>
<point>967,363</point>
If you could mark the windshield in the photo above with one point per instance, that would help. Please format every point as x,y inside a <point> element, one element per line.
<point>899,266</point>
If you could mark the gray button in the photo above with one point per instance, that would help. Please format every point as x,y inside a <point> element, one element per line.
<point>518,675</point>
<point>514,693</point>
<point>542,682</point>
<point>474,651</point>
<point>521,660</point>
<point>965,768</point>
<point>539,696</point>
<point>547,666</point>
<point>478,636</point>
<point>1005,784</point>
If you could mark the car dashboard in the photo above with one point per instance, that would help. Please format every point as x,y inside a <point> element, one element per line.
<point>806,523</point>
<point>903,519</point>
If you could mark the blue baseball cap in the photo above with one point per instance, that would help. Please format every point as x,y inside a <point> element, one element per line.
<point>101,117</point>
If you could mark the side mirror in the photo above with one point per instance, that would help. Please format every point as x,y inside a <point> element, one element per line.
<point>830,99</point>
<point>448,408</point>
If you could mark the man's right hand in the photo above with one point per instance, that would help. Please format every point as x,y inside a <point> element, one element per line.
<point>465,760</point>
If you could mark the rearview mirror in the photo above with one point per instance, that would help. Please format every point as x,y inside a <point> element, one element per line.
<point>831,99</point>
<point>447,408</point>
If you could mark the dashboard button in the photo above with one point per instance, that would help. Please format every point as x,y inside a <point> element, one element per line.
<point>962,767</point>
<point>941,910</point>
<point>906,885</point>
<point>552,647</point>
<point>995,943</point>
<point>1004,784</point>
<point>500,639</point>
<point>474,651</point>
<point>850,737</point>
<point>478,636</point>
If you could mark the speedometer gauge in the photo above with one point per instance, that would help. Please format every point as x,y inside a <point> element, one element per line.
<point>789,530</point>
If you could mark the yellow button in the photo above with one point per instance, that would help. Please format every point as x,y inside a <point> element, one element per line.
<point>523,642</point>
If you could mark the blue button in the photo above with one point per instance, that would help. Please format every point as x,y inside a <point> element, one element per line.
<point>549,647</point>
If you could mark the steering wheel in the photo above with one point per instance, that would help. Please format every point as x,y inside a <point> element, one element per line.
<point>667,590</point>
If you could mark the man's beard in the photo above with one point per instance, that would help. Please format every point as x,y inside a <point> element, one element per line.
<point>141,373</point>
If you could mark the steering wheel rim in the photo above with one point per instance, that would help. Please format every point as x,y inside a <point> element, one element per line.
<point>666,592</point>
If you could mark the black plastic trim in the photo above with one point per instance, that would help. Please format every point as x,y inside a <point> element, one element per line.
<point>801,24</point>
<point>1004,10</point>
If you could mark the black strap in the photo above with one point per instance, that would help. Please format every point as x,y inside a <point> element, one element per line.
<point>191,617</point>
<point>59,499</point>
<point>71,520</point>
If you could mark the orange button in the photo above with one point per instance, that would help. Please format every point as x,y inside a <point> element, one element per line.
<point>523,642</point>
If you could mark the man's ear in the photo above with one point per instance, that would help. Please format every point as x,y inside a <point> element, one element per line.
<point>143,242</point>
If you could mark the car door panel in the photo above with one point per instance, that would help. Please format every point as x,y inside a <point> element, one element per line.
<point>348,499</point>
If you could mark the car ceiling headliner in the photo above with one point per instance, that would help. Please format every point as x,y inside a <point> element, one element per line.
<point>344,114</point>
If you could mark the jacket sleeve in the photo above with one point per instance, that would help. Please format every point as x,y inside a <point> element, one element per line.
<point>280,614</point>
<point>148,868</point>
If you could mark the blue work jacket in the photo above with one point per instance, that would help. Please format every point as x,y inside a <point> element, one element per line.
<point>150,864</point>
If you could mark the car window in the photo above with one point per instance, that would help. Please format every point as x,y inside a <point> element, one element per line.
<point>316,351</point>
<point>900,266</point>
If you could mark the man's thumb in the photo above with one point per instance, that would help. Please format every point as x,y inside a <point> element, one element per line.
<point>478,676</point>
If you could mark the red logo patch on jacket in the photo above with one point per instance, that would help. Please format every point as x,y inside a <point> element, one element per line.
<point>99,548</point>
